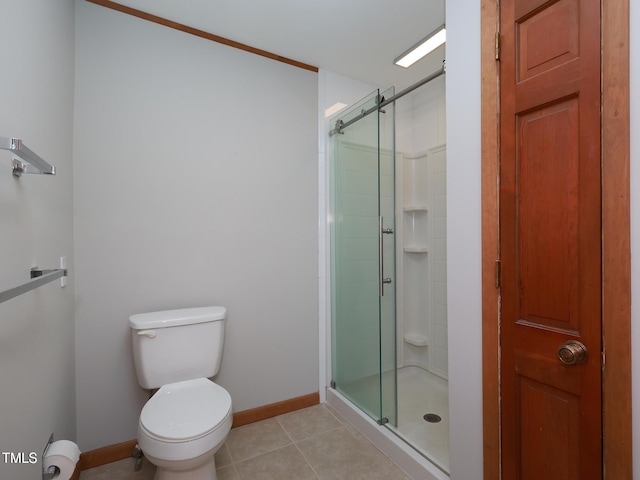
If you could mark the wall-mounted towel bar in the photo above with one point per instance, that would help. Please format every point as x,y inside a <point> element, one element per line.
<point>38,277</point>
<point>32,162</point>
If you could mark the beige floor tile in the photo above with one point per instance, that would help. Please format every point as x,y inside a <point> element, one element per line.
<point>255,439</point>
<point>338,455</point>
<point>310,421</point>
<point>387,470</point>
<point>227,473</point>
<point>345,423</point>
<point>283,464</point>
<point>122,469</point>
<point>324,449</point>
<point>222,457</point>
<point>335,413</point>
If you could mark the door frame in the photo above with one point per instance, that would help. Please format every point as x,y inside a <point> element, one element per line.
<point>616,253</point>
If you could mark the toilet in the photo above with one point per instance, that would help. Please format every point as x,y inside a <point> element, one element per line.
<point>187,420</point>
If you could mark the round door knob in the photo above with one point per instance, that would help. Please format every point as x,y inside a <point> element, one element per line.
<point>572,353</point>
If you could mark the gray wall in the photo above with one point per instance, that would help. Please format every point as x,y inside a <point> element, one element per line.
<point>36,330</point>
<point>195,184</point>
<point>464,237</point>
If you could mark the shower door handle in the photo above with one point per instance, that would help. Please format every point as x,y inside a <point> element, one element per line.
<point>381,279</point>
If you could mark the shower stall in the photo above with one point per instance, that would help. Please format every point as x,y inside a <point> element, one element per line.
<point>387,221</point>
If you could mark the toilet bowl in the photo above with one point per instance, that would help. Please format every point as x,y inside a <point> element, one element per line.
<point>182,426</point>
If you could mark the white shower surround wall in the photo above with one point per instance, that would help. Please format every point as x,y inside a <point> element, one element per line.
<point>422,262</point>
<point>421,228</point>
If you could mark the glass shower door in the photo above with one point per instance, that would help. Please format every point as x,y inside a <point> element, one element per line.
<point>363,259</point>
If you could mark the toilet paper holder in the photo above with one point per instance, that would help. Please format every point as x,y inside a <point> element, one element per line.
<point>53,471</point>
<point>60,459</point>
<point>50,474</point>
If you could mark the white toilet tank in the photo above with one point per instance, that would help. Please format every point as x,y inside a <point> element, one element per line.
<point>175,345</point>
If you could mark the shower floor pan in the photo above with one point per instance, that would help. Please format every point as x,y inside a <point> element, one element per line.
<point>422,393</point>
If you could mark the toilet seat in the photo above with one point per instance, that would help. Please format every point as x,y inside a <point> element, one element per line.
<point>184,420</point>
<point>185,411</point>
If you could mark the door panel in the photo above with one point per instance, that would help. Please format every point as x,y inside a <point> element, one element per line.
<point>547,39</point>
<point>550,246</point>
<point>548,180</point>
<point>557,409</point>
<point>363,321</point>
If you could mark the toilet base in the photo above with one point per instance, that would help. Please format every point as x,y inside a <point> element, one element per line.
<point>199,468</point>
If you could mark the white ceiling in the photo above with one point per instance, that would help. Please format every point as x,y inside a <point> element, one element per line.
<point>356,38</point>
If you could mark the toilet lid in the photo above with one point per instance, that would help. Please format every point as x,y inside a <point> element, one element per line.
<point>185,410</point>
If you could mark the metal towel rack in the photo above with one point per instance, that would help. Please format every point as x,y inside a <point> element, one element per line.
<point>38,277</point>
<point>32,163</point>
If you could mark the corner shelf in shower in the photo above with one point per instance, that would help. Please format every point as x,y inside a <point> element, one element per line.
<point>416,234</point>
<point>416,208</point>
<point>416,339</point>
<point>415,249</point>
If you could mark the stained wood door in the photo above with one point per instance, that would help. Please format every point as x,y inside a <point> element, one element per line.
<point>550,238</point>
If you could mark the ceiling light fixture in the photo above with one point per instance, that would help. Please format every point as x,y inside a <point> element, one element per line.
<point>422,48</point>
<point>336,107</point>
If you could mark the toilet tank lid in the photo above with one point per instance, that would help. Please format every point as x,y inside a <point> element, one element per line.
<point>173,318</point>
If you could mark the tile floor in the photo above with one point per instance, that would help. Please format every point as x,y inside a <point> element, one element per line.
<point>313,443</point>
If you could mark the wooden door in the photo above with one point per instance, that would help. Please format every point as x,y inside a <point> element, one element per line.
<point>550,238</point>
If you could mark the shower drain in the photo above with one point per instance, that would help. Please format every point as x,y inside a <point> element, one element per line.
<point>432,418</point>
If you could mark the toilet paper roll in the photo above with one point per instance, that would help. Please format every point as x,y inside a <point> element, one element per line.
<point>62,455</point>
